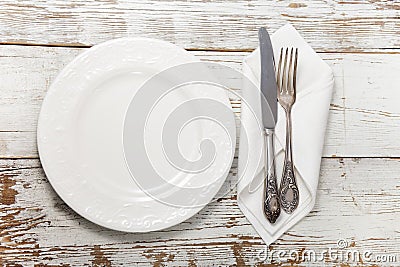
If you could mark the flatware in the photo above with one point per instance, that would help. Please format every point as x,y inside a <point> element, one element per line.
<point>289,192</point>
<point>268,86</point>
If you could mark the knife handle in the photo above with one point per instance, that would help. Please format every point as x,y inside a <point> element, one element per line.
<point>271,203</point>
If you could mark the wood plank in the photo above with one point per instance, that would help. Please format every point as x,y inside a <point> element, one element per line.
<point>363,118</point>
<point>353,203</point>
<point>221,25</point>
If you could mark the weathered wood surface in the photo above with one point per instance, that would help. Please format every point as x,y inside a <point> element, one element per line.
<point>359,192</point>
<point>364,107</point>
<point>37,227</point>
<point>335,25</point>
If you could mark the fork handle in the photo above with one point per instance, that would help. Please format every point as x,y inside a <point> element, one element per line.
<point>289,192</point>
<point>271,203</point>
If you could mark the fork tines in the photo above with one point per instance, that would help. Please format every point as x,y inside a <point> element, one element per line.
<point>289,72</point>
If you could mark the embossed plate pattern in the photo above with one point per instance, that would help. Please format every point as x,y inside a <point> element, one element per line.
<point>80,132</point>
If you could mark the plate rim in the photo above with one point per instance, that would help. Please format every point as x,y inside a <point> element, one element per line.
<point>42,156</point>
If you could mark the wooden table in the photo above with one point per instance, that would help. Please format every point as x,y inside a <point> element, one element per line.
<point>359,192</point>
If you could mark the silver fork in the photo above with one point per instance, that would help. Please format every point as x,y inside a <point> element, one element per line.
<point>286,79</point>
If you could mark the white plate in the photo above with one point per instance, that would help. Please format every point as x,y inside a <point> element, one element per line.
<point>89,160</point>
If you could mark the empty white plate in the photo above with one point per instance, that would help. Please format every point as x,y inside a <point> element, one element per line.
<point>88,137</point>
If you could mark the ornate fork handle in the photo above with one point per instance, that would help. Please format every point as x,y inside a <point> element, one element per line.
<point>271,203</point>
<point>289,192</point>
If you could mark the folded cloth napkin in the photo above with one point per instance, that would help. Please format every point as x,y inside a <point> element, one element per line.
<point>309,120</point>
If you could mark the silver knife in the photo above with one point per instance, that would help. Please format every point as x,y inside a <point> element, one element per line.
<point>269,108</point>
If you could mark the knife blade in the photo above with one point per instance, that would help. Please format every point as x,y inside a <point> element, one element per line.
<point>269,106</point>
<point>268,86</point>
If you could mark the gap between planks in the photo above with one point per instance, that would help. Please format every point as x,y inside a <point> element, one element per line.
<point>379,50</point>
<point>323,157</point>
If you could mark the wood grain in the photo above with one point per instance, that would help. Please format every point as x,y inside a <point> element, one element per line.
<point>358,195</point>
<point>37,227</point>
<point>362,108</point>
<point>213,25</point>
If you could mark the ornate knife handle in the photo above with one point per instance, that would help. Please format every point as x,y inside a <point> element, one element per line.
<point>271,203</point>
<point>289,192</point>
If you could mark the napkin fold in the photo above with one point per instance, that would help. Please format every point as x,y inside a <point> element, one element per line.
<point>309,120</point>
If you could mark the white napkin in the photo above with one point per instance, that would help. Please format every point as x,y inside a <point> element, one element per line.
<point>309,116</point>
